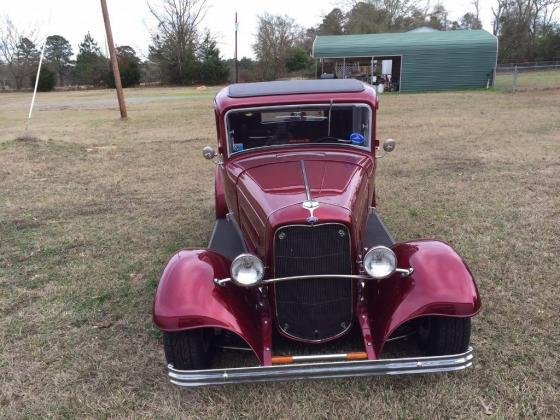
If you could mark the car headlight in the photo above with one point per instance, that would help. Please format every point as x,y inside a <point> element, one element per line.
<point>380,262</point>
<point>247,270</point>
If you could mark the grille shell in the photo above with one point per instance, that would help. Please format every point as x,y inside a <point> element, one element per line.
<point>313,309</point>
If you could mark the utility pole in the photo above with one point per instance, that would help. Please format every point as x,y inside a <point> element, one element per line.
<point>236,62</point>
<point>114,62</point>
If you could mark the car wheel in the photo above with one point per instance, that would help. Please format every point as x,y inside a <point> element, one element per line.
<point>444,335</point>
<point>188,349</point>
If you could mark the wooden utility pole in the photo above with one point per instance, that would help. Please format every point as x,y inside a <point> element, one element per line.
<point>114,62</point>
<point>236,62</point>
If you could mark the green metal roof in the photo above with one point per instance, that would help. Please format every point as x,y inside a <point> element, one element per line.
<point>367,45</point>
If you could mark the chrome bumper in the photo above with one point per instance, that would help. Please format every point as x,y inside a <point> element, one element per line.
<point>401,366</point>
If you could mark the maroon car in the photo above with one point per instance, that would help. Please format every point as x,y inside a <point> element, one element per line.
<point>299,254</point>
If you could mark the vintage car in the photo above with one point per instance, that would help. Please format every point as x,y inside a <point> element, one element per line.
<point>300,255</point>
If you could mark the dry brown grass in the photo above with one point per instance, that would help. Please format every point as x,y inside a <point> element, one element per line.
<point>90,212</point>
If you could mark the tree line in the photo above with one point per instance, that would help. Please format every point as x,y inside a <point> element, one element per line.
<point>527,30</point>
<point>180,53</point>
<point>19,56</point>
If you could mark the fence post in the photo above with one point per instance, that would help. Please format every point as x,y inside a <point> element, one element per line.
<point>514,85</point>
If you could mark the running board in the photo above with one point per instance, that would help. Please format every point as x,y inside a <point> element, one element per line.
<point>401,366</point>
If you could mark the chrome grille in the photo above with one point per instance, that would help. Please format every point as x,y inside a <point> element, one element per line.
<point>313,309</point>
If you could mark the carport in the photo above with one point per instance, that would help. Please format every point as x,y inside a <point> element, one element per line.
<point>410,61</point>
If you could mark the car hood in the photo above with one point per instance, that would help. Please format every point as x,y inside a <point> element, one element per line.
<point>281,184</point>
<point>271,192</point>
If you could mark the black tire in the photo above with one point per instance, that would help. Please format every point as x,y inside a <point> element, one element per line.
<point>188,349</point>
<point>439,336</point>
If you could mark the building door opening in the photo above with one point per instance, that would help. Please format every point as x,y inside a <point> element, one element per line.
<point>383,72</point>
<point>388,73</point>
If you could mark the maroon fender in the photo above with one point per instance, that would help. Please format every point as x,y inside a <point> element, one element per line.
<point>219,196</point>
<point>441,284</point>
<point>187,298</point>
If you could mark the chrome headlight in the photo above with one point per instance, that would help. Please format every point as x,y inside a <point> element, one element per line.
<point>380,262</point>
<point>247,270</point>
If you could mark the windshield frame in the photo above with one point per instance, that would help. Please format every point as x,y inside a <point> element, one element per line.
<point>369,139</point>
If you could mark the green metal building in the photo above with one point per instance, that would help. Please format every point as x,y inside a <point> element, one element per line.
<point>418,61</point>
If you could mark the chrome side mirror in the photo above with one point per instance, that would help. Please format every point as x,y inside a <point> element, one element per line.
<point>389,145</point>
<point>209,153</point>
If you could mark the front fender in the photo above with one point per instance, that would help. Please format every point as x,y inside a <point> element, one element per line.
<point>220,206</point>
<point>441,284</point>
<point>187,298</point>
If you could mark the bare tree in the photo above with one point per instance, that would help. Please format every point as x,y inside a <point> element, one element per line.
<point>177,33</point>
<point>275,35</point>
<point>17,51</point>
<point>549,12</point>
<point>543,12</point>
<point>498,11</point>
<point>476,5</point>
<point>470,20</point>
<point>393,9</point>
<point>396,8</point>
<point>522,25</point>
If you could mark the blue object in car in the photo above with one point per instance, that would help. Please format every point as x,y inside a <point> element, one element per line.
<point>357,138</point>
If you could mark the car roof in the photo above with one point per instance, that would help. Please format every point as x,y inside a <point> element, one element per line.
<point>293,92</point>
<point>293,87</point>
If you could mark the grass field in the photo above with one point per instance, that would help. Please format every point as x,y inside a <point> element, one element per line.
<point>90,212</point>
<point>529,80</point>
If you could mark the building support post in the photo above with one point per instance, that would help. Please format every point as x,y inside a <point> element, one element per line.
<point>114,62</point>
<point>344,68</point>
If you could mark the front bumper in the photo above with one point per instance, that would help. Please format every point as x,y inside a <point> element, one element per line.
<point>401,366</point>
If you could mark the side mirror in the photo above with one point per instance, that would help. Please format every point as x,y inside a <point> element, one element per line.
<point>209,153</point>
<point>389,145</point>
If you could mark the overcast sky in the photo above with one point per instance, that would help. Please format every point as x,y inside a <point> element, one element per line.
<point>131,21</point>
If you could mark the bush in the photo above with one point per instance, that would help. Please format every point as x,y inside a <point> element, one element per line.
<point>130,76</point>
<point>129,68</point>
<point>297,60</point>
<point>47,80</point>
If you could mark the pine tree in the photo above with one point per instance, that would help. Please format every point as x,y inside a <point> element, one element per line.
<point>333,23</point>
<point>91,65</point>
<point>58,55</point>
<point>212,69</point>
<point>26,58</point>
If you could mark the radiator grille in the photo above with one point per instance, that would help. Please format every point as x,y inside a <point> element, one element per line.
<point>313,309</point>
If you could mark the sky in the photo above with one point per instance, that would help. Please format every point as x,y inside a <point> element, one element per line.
<point>131,21</point>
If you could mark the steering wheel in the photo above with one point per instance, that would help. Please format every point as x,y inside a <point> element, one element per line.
<point>282,135</point>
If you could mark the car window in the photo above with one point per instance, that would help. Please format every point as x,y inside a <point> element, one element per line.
<point>294,125</point>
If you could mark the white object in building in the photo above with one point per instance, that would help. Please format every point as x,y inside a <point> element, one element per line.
<point>387,67</point>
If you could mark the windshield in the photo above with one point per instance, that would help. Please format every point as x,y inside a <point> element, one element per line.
<point>347,124</point>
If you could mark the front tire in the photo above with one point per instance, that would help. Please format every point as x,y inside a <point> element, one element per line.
<point>188,350</point>
<point>439,336</point>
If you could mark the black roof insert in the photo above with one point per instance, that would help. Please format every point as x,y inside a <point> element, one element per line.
<point>293,87</point>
